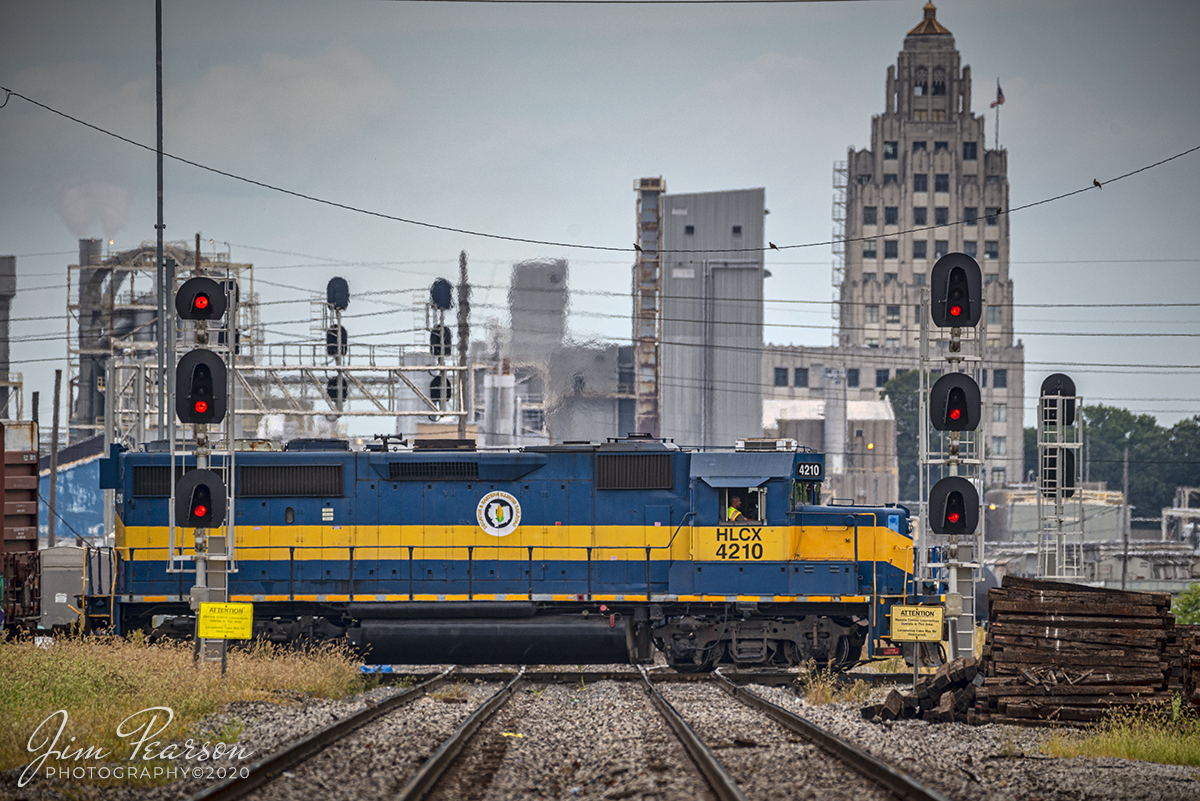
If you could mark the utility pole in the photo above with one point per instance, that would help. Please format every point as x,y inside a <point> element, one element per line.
<point>1125,559</point>
<point>464,333</point>
<point>163,398</point>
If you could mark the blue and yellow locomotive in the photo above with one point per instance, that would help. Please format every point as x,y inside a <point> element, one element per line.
<point>567,554</point>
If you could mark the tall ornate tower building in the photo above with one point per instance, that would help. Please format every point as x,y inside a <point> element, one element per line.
<point>926,186</point>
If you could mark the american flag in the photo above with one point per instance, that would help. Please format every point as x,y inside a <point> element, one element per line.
<point>999,101</point>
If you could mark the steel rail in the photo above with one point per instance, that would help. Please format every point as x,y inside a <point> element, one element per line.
<point>769,678</point>
<point>866,765</point>
<point>435,767</point>
<point>724,785</point>
<point>276,763</point>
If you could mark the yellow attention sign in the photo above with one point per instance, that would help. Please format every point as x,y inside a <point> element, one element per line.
<point>917,623</point>
<point>222,621</point>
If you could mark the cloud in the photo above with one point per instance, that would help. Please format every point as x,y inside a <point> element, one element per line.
<point>84,206</point>
<point>287,109</point>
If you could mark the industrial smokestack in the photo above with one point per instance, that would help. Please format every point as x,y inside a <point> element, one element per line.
<point>8,288</point>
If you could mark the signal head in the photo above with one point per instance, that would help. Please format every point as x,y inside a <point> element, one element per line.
<point>954,506</point>
<point>200,500</point>
<point>955,403</point>
<point>956,291</point>
<point>200,298</point>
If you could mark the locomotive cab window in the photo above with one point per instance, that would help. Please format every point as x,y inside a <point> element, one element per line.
<point>742,504</point>
<point>806,493</point>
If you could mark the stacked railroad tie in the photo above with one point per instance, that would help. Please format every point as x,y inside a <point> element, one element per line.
<point>943,697</point>
<point>1066,654</point>
<point>1190,636</point>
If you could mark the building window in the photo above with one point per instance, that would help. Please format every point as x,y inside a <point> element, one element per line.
<point>998,475</point>
<point>992,179</point>
<point>872,313</point>
<point>918,147</point>
<point>940,247</point>
<point>892,342</point>
<point>882,376</point>
<point>940,146</point>
<point>889,178</point>
<point>737,230</point>
<point>868,277</point>
<point>889,150</point>
<point>991,278</point>
<point>971,248</point>
<point>920,82</point>
<point>939,81</point>
<point>939,115</point>
<point>891,215</point>
<point>919,246</point>
<point>920,215</point>
<point>872,342</point>
<point>941,215</point>
<point>689,229</point>
<point>969,151</point>
<point>983,378</point>
<point>852,377</point>
<point>918,280</point>
<point>999,446</point>
<point>999,413</point>
<point>920,182</point>
<point>890,278</point>
<point>991,213</point>
<point>970,214</point>
<point>781,376</point>
<point>1000,379</point>
<point>800,377</point>
<point>868,248</point>
<point>864,178</point>
<point>993,315</point>
<point>920,115</point>
<point>941,182</point>
<point>893,314</point>
<point>891,248</point>
<point>991,249</point>
<point>869,215</point>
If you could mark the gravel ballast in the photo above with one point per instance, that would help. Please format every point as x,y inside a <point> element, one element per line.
<point>993,761</point>
<point>602,740</point>
<point>767,760</point>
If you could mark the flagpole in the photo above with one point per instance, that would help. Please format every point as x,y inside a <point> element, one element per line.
<point>998,117</point>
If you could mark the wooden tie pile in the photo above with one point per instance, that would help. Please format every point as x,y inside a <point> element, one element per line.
<point>1190,635</point>
<point>943,697</point>
<point>1066,654</point>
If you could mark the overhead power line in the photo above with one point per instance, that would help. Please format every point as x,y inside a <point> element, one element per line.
<point>530,241</point>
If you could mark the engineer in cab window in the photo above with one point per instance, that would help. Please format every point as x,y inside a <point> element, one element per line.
<point>734,512</point>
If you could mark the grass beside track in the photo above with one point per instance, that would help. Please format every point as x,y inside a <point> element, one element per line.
<point>1168,734</point>
<point>102,681</point>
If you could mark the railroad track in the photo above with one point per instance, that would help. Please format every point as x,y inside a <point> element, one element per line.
<point>465,764</point>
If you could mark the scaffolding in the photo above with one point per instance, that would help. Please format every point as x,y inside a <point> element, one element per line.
<point>840,180</point>
<point>647,303</point>
<point>112,336</point>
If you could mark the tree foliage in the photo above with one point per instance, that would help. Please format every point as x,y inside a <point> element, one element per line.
<point>903,391</point>
<point>1186,607</point>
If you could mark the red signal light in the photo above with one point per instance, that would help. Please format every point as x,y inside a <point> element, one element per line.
<point>956,311</point>
<point>199,510</point>
<point>201,302</point>
<point>201,407</point>
<point>956,414</point>
<point>953,517</point>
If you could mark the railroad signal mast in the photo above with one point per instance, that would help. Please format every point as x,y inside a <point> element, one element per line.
<point>201,498</point>
<point>1059,505</point>
<point>950,541</point>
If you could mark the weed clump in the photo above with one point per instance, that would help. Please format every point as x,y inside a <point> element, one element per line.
<point>1163,733</point>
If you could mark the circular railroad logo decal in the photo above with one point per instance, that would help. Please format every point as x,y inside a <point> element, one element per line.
<point>498,514</point>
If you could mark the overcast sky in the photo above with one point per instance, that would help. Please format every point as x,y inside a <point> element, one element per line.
<point>533,121</point>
